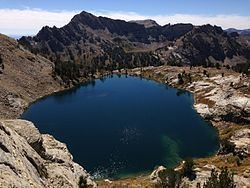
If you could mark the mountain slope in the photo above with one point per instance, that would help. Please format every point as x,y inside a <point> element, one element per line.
<point>88,35</point>
<point>24,78</point>
<point>208,46</point>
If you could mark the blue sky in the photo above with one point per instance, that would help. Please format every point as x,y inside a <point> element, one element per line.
<point>28,16</point>
<point>149,7</point>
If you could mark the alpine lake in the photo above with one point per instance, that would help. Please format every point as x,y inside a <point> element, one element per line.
<point>121,125</point>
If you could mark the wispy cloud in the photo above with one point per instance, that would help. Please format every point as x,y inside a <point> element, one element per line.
<point>30,21</point>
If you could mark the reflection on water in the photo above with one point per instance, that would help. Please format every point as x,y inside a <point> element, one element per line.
<point>182,92</point>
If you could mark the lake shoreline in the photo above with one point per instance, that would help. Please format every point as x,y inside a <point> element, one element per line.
<point>145,95</point>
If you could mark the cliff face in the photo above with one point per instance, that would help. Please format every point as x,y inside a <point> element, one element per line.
<point>31,159</point>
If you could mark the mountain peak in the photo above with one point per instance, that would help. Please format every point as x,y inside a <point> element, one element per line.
<point>81,16</point>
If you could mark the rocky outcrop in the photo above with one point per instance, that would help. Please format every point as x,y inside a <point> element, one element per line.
<point>202,175</point>
<point>31,159</point>
<point>157,174</point>
<point>241,140</point>
<point>159,178</point>
<point>224,100</point>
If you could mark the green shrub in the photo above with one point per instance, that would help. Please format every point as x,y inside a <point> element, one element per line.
<point>227,147</point>
<point>188,169</point>
<point>82,182</point>
<point>170,178</point>
<point>224,180</point>
<point>180,79</point>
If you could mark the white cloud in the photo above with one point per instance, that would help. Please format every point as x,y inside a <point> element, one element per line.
<point>225,21</point>
<point>30,21</point>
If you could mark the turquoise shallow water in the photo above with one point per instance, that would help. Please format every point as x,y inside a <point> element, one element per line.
<point>121,125</point>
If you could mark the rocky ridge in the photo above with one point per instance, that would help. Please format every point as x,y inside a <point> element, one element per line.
<point>87,36</point>
<point>208,46</point>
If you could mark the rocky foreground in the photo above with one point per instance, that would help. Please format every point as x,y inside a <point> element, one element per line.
<point>31,159</point>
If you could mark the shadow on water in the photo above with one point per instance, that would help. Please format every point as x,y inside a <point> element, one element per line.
<point>182,92</point>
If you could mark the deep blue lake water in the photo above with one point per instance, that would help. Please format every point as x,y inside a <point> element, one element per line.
<point>120,126</point>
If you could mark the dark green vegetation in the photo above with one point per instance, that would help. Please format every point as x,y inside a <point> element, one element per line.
<point>227,147</point>
<point>128,125</point>
<point>93,44</point>
<point>68,71</point>
<point>82,183</point>
<point>112,59</point>
<point>188,169</point>
<point>223,180</point>
<point>242,68</point>
<point>171,178</point>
